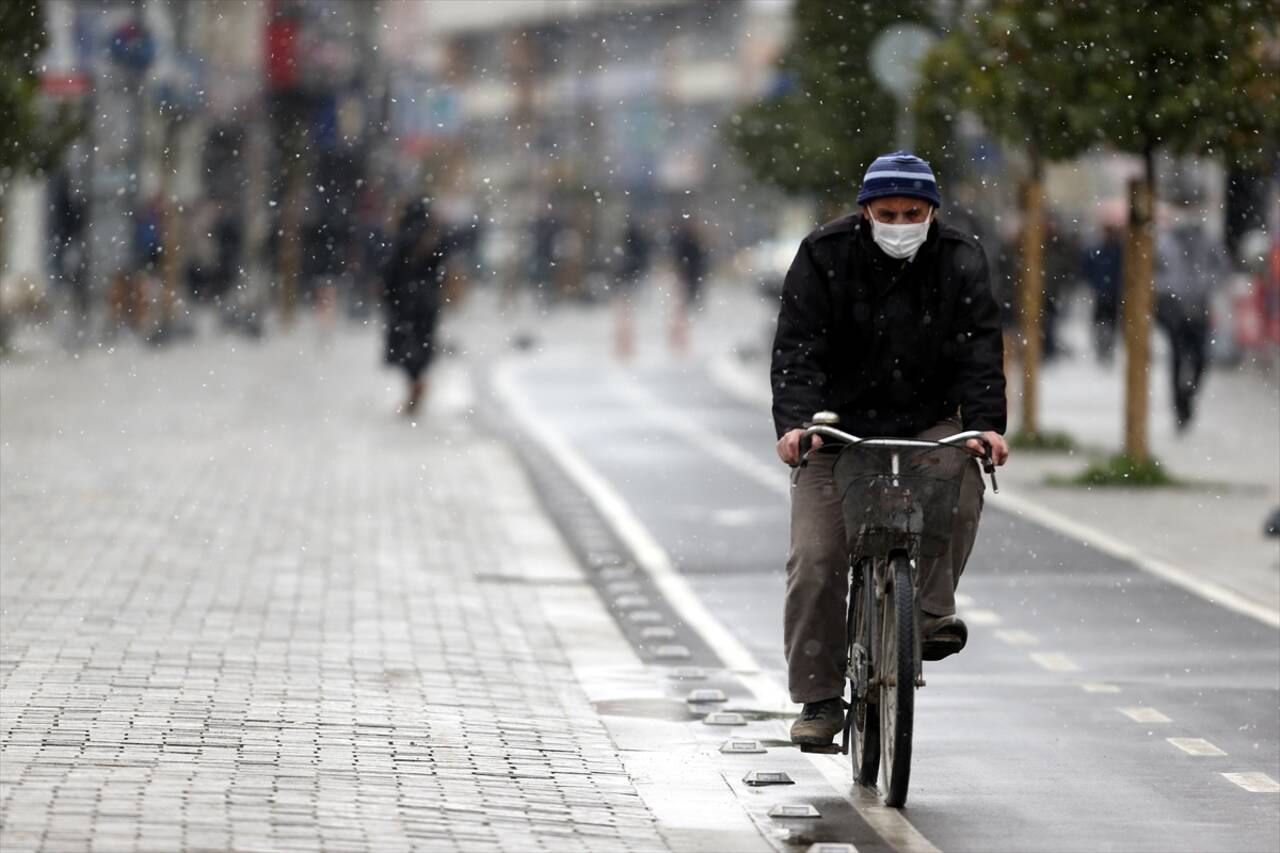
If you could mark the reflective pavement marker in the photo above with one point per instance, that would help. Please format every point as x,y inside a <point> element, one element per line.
<point>758,778</point>
<point>672,652</point>
<point>706,694</point>
<point>642,616</point>
<point>724,718</point>
<point>742,747</point>
<point>657,632</point>
<point>831,847</point>
<point>805,810</point>
<point>688,673</point>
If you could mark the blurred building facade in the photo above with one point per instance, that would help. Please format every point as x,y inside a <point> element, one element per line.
<point>583,113</point>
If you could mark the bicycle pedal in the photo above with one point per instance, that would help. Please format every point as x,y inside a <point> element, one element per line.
<point>822,749</point>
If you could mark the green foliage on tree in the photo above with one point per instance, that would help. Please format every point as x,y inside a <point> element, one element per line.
<point>1198,76</point>
<point>1009,66</point>
<point>32,134</point>
<point>819,134</point>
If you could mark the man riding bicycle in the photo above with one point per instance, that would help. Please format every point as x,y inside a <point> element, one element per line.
<point>887,319</point>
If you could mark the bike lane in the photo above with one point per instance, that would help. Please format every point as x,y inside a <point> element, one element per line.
<point>1093,701</point>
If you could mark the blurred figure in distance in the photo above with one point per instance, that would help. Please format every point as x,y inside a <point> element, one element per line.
<point>1103,266</point>
<point>412,291</point>
<point>1188,268</point>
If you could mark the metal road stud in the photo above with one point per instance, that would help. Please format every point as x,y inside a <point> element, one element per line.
<point>631,602</point>
<point>742,747</point>
<point>657,632</point>
<point>688,673</point>
<point>832,847</point>
<point>804,810</point>
<point>622,587</point>
<point>706,694</point>
<point>641,617</point>
<point>725,718</point>
<point>672,652</point>
<point>758,778</point>
<point>616,573</point>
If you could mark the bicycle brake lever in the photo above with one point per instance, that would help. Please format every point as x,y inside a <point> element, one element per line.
<point>990,469</point>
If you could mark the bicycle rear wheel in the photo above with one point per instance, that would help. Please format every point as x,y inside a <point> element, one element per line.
<point>864,719</point>
<point>897,681</point>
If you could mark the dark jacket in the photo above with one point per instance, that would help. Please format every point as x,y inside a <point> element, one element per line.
<point>891,346</point>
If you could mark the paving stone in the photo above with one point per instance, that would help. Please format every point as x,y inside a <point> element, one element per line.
<point>245,609</point>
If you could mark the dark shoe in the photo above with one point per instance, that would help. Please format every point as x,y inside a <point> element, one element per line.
<point>819,722</point>
<point>943,636</point>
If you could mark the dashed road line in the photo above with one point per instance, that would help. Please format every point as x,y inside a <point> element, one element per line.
<point>1195,746</point>
<point>1055,661</point>
<point>981,617</point>
<point>1257,783</point>
<point>1098,687</point>
<point>1015,637</point>
<point>1143,714</point>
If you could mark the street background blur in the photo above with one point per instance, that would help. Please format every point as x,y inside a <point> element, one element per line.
<point>213,507</point>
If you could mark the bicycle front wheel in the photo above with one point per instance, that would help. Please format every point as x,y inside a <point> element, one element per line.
<point>897,681</point>
<point>864,720</point>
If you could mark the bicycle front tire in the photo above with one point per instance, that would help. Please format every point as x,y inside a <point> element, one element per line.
<point>897,681</point>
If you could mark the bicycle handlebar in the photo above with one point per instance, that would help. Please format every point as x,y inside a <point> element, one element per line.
<point>984,459</point>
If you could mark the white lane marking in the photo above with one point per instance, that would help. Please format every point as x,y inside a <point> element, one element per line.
<point>1143,714</point>
<point>732,380</point>
<point>981,617</point>
<point>1195,746</point>
<point>772,476</point>
<point>1098,687</point>
<point>1055,662</point>
<point>1258,783</point>
<point>1015,637</point>
<point>651,556</point>
<point>889,823</point>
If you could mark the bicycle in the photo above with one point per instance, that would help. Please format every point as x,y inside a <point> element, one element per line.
<point>898,497</point>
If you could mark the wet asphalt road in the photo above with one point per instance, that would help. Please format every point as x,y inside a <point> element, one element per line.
<point>1026,741</point>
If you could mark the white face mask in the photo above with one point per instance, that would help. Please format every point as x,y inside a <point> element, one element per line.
<point>900,241</point>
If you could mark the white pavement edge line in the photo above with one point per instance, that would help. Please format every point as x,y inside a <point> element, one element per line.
<point>1214,593</point>
<point>652,558</point>
<point>731,380</point>
<point>648,552</point>
<point>889,823</point>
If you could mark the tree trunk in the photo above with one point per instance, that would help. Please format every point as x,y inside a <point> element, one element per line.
<point>1138,301</point>
<point>1031,298</point>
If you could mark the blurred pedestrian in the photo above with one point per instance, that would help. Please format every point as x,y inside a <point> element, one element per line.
<point>413,282</point>
<point>634,264</point>
<point>690,257</point>
<point>1061,253</point>
<point>1103,268</point>
<point>1188,268</point>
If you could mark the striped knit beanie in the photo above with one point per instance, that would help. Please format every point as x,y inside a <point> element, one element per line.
<point>899,173</point>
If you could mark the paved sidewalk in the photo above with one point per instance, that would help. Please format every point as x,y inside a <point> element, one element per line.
<point>244,606</point>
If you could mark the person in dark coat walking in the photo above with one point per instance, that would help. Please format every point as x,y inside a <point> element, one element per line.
<point>413,282</point>
<point>1103,266</point>
<point>887,319</point>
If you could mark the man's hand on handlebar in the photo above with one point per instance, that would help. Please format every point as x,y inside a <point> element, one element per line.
<point>999,447</point>
<point>788,446</point>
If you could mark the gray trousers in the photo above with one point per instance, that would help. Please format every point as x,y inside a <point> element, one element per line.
<point>818,572</point>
